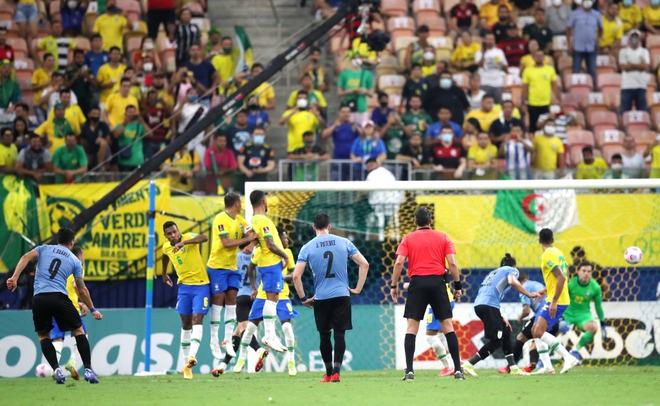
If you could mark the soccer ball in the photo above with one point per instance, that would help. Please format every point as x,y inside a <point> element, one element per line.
<point>633,255</point>
<point>43,371</point>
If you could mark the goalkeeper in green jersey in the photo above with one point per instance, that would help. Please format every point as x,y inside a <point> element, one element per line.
<point>583,289</point>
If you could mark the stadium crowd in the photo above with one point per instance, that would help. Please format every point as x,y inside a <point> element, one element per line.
<point>464,90</point>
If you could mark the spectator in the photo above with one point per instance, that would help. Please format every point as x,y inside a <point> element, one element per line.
<point>470,133</point>
<point>95,135</point>
<point>22,110</point>
<point>343,133</point>
<point>76,78</point>
<point>204,74</point>
<point>129,134</point>
<point>446,95</point>
<point>21,133</point>
<point>214,44</point>
<point>539,31</point>
<point>392,134</point>
<point>612,31</point>
<point>584,32</point>
<point>501,127</point>
<point>264,92</point>
<point>189,112</point>
<point>486,114</point>
<point>616,169</point>
<point>482,158</point>
<point>6,51</point>
<point>187,34</point>
<point>631,15</point>
<point>492,68</point>
<point>225,63</point>
<point>383,203</point>
<point>633,162</point>
<point>590,167</point>
<point>634,61</point>
<point>256,116</point>
<point>51,95</point>
<point>415,86</point>
<point>72,14</point>
<point>474,93</point>
<point>525,7</point>
<point>220,163</point>
<point>27,19</point>
<point>415,153</point>
<point>147,49</point>
<point>528,60</point>
<point>558,15</point>
<point>549,152</point>
<point>111,26</point>
<point>513,46</point>
<point>415,119</point>
<point>69,161</point>
<point>156,118</point>
<point>11,91</point>
<point>311,153</point>
<point>159,12</point>
<point>8,152</point>
<point>539,85</point>
<point>256,159</point>
<point>35,160</point>
<point>365,147</point>
<point>315,70</point>
<point>300,119</point>
<point>354,85</point>
<point>489,12</point>
<point>72,112</point>
<point>181,170</point>
<point>41,79</point>
<point>97,57</point>
<point>464,55</point>
<point>115,109</point>
<point>381,113</point>
<point>313,96</point>
<point>135,88</point>
<point>240,133</point>
<point>434,79</point>
<point>464,16</point>
<point>449,155</point>
<point>165,98</point>
<point>429,66</point>
<point>144,74</point>
<point>653,151</point>
<point>517,150</point>
<point>502,25</point>
<point>415,51</point>
<point>109,74</point>
<point>53,131</point>
<point>435,130</point>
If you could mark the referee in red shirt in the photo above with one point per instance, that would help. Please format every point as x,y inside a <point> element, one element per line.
<point>426,251</point>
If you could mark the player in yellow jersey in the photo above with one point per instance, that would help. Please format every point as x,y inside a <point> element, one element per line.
<point>56,335</point>
<point>192,301</point>
<point>230,231</point>
<point>554,268</point>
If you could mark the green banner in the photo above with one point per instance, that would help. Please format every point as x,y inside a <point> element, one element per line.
<point>19,222</point>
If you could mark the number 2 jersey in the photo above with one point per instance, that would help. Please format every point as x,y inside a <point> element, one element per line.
<point>187,262</point>
<point>494,286</point>
<point>54,266</point>
<point>327,256</point>
<point>551,259</point>
<point>284,294</point>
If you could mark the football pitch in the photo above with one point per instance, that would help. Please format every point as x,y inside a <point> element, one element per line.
<point>582,386</point>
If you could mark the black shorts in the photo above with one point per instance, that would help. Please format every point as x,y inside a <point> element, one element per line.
<point>424,291</point>
<point>333,314</point>
<point>493,323</point>
<point>243,306</point>
<point>46,306</point>
<point>527,329</point>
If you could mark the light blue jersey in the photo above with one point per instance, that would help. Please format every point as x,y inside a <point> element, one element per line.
<point>328,256</point>
<point>243,263</point>
<point>54,265</point>
<point>494,286</point>
<point>533,286</point>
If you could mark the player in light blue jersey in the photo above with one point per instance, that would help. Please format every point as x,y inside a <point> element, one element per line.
<point>487,307</point>
<point>328,256</point>
<point>50,301</point>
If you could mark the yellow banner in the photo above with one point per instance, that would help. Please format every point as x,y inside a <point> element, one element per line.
<point>608,224</point>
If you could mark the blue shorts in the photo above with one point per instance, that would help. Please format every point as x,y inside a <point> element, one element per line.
<point>56,333</point>
<point>432,323</point>
<point>271,277</point>
<point>545,313</point>
<point>26,13</point>
<point>223,279</point>
<point>284,310</point>
<point>193,299</point>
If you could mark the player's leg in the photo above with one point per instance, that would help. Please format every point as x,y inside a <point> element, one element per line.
<point>243,306</point>
<point>217,283</point>
<point>271,277</point>
<point>42,316</point>
<point>75,360</point>
<point>493,331</point>
<point>590,328</point>
<point>68,319</point>
<point>233,281</point>
<point>415,308</point>
<point>57,337</point>
<point>341,321</point>
<point>538,329</point>
<point>546,342</point>
<point>184,306</point>
<point>323,311</point>
<point>442,309</point>
<point>507,348</point>
<point>325,346</point>
<point>186,333</point>
<point>255,317</point>
<point>285,313</point>
<point>433,338</point>
<point>199,308</point>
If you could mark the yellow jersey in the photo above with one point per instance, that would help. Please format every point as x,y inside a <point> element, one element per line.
<point>40,77</point>
<point>111,28</point>
<point>226,64</point>
<point>594,170</point>
<point>655,162</point>
<point>429,70</point>
<point>464,53</point>
<point>485,118</point>
<point>299,123</point>
<point>551,259</point>
<point>187,262</point>
<point>489,12</point>
<point>116,108</point>
<point>263,93</point>
<point>547,149</point>
<point>630,16</point>
<point>187,162</point>
<point>528,61</point>
<point>71,290</point>
<point>108,74</point>
<point>480,155</point>
<point>265,228</point>
<point>74,115</point>
<point>8,155</point>
<point>284,294</point>
<point>540,82</point>
<point>612,31</point>
<point>225,225</point>
<point>652,15</point>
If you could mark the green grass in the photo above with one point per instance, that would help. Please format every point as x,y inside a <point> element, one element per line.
<point>582,386</point>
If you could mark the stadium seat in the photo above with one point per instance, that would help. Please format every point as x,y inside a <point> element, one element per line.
<point>611,149</point>
<point>655,57</point>
<point>82,43</point>
<point>389,65</point>
<point>462,80</point>
<point>655,115</point>
<point>612,99</point>
<point>447,5</point>
<point>565,65</point>
<point>394,7</point>
<point>636,121</point>
<point>28,98</point>
<point>652,42</point>
<point>24,79</point>
<point>603,120</point>
<point>20,47</point>
<point>651,87</point>
<point>437,25</point>
<point>401,27</point>
<point>401,45</point>
<point>605,64</point>
<point>24,65</point>
<point>606,137</point>
<point>576,140</point>
<point>653,101</point>
<point>394,101</point>
<point>559,43</point>
<point>54,10</point>
<point>426,7</point>
<point>131,8</point>
<point>443,47</point>
<point>571,102</point>
<point>643,139</point>
<point>339,41</point>
<point>578,83</point>
<point>609,82</point>
<point>595,102</point>
<point>133,44</point>
<point>391,83</point>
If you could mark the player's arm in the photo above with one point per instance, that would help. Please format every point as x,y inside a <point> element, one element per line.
<point>272,247</point>
<point>297,283</point>
<point>513,281</point>
<point>526,310</point>
<point>396,274</point>
<point>362,262</point>
<point>165,264</point>
<point>252,275</point>
<point>561,280</point>
<point>229,243</point>
<point>197,239</point>
<point>83,293</point>
<point>12,283</point>
<point>456,274</point>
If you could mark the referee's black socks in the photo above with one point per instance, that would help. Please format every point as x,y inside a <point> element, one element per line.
<point>49,352</point>
<point>84,350</point>
<point>409,346</point>
<point>452,343</point>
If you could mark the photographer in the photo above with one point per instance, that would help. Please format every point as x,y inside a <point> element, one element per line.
<point>129,139</point>
<point>76,78</point>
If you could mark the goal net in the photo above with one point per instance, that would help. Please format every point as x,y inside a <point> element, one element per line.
<point>596,220</point>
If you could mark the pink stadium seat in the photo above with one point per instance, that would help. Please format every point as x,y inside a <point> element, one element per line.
<point>20,47</point>
<point>609,82</point>
<point>394,7</point>
<point>605,64</point>
<point>603,120</point>
<point>611,149</point>
<point>565,65</point>
<point>437,25</point>
<point>643,139</point>
<point>606,137</point>
<point>580,137</point>
<point>578,83</point>
<point>83,43</point>
<point>595,102</point>
<point>54,9</point>
<point>636,121</point>
<point>652,42</point>
<point>428,7</point>
<point>24,79</point>
<point>571,102</point>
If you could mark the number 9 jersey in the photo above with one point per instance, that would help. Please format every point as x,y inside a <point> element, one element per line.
<point>54,265</point>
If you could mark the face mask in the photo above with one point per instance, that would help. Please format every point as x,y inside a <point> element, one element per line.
<point>447,138</point>
<point>429,56</point>
<point>445,83</point>
<point>72,4</point>
<point>192,99</point>
<point>634,41</point>
<point>383,104</point>
<point>554,109</point>
<point>357,62</point>
<point>627,3</point>
<point>309,144</point>
<point>94,119</point>
<point>556,3</point>
<point>587,4</point>
<point>549,129</point>
<point>227,50</point>
<point>148,66</point>
<point>617,167</point>
<point>258,139</point>
<point>149,45</point>
<point>301,103</point>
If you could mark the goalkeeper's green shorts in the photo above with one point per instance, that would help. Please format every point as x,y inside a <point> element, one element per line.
<point>579,319</point>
